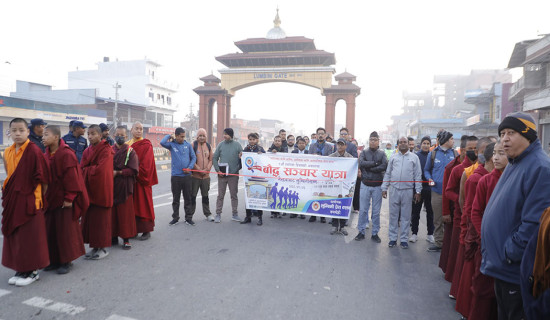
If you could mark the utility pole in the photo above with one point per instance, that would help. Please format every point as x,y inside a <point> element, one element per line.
<point>115,118</point>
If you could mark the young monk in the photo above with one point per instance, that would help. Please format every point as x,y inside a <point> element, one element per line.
<point>146,179</point>
<point>97,165</point>
<point>25,243</point>
<point>126,167</point>
<point>484,305</point>
<point>67,199</point>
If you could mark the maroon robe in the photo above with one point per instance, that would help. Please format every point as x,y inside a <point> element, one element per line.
<point>25,242</point>
<point>97,165</point>
<point>447,209</point>
<point>124,220</point>
<point>143,191</point>
<point>65,241</point>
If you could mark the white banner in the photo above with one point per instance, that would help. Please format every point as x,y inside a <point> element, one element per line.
<point>299,183</point>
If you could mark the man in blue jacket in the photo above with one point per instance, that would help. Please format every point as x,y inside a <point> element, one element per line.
<point>514,210</point>
<point>433,171</point>
<point>183,160</point>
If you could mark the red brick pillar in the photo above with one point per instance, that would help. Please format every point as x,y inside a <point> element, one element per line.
<point>329,114</point>
<point>350,115</point>
<point>221,117</point>
<point>228,112</point>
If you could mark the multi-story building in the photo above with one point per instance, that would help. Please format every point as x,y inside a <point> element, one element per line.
<point>137,82</point>
<point>531,93</point>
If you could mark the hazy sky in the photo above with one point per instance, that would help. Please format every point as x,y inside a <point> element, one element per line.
<point>390,46</point>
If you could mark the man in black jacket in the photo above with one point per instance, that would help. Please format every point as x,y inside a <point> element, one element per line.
<point>373,163</point>
<point>36,131</point>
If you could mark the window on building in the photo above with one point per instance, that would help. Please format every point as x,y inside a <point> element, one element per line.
<point>169,101</point>
<point>162,97</point>
<point>152,96</point>
<point>158,96</point>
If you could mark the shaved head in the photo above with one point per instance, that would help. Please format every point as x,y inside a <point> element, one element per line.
<point>137,130</point>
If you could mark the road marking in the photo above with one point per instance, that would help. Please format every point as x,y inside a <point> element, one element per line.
<point>51,305</point>
<point>117,317</point>
<point>4,292</point>
<point>162,195</point>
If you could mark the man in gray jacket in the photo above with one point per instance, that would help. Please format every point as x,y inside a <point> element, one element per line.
<point>372,163</point>
<point>403,176</point>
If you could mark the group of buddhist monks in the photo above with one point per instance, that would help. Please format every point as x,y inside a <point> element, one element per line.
<point>468,183</point>
<point>52,205</point>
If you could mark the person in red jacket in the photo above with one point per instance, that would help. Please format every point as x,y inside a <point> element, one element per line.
<point>67,199</point>
<point>25,247</point>
<point>452,192</point>
<point>97,165</point>
<point>483,304</point>
<point>467,237</point>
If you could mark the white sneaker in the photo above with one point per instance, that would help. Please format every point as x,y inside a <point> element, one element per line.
<point>236,218</point>
<point>210,218</point>
<point>101,253</point>
<point>31,277</point>
<point>14,279</point>
<point>430,239</point>
<point>218,218</point>
<point>413,238</point>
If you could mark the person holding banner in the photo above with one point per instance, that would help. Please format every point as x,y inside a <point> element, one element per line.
<point>338,225</point>
<point>227,164</point>
<point>253,147</point>
<point>322,148</point>
<point>402,175</point>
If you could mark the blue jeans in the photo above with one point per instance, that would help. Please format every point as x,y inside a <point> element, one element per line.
<point>367,193</point>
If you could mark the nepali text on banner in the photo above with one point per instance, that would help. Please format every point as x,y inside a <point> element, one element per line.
<point>299,183</point>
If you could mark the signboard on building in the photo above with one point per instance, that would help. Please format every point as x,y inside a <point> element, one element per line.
<point>48,116</point>
<point>162,130</point>
<point>473,120</point>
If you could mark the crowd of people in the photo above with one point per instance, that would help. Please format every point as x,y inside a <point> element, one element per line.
<point>486,206</point>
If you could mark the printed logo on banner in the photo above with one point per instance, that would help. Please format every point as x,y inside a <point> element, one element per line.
<point>249,162</point>
<point>315,206</point>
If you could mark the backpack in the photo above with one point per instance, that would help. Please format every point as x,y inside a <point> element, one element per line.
<point>433,155</point>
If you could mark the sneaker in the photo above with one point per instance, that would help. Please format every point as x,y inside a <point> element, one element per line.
<point>392,244</point>
<point>376,238</point>
<point>344,231</point>
<point>27,279</point>
<point>334,230</point>
<point>430,238</point>
<point>145,236</point>
<point>64,268</point>
<point>218,218</point>
<point>16,277</point>
<point>236,218</point>
<point>127,245</point>
<point>452,297</point>
<point>404,245</point>
<point>101,253</point>
<point>190,222</point>
<point>90,253</point>
<point>210,218</point>
<point>413,238</point>
<point>359,237</point>
<point>174,222</point>
<point>434,249</point>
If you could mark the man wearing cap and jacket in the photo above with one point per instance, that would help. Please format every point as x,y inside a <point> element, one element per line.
<point>75,140</point>
<point>36,131</point>
<point>105,134</point>
<point>514,210</point>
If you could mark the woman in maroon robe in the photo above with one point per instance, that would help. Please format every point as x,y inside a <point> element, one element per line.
<point>25,248</point>
<point>67,199</point>
<point>126,167</point>
<point>146,179</point>
<point>97,165</point>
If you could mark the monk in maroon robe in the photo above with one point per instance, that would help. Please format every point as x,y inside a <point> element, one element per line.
<point>447,213</point>
<point>126,167</point>
<point>25,247</point>
<point>146,179</point>
<point>67,199</point>
<point>97,165</point>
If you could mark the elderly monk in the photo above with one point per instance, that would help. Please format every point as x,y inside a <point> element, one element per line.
<point>25,244</point>
<point>67,199</point>
<point>146,179</point>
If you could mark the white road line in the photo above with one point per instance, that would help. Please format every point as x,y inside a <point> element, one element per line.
<point>51,305</point>
<point>117,317</point>
<point>4,292</point>
<point>162,195</point>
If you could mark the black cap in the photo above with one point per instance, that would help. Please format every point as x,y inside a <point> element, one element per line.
<point>37,122</point>
<point>374,134</point>
<point>71,123</point>
<point>79,124</point>
<point>341,141</point>
<point>103,127</point>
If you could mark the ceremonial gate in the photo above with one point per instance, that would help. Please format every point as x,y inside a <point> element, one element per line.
<point>275,58</point>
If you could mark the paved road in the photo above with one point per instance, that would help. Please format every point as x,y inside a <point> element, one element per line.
<point>285,269</point>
